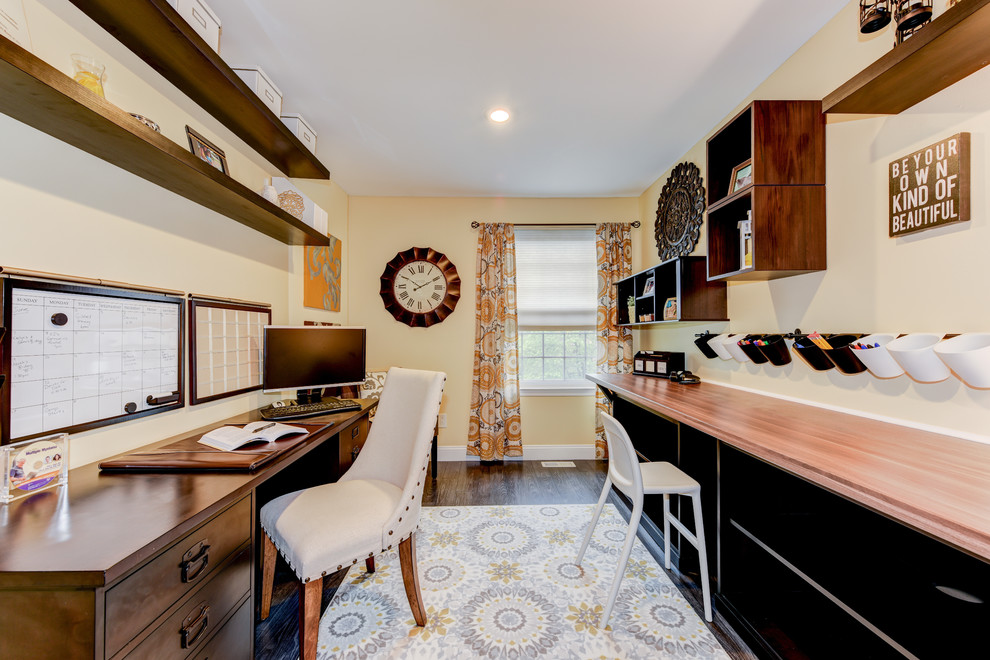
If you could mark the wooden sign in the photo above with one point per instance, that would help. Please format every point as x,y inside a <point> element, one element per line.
<point>930,187</point>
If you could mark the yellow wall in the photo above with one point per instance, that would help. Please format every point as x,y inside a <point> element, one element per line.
<point>934,281</point>
<point>67,212</point>
<point>382,226</point>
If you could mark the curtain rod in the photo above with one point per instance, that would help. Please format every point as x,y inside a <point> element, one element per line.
<point>475,224</point>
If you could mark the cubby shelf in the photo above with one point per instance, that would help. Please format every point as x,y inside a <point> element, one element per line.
<point>945,51</point>
<point>698,300</point>
<point>40,96</point>
<point>154,31</point>
<point>785,143</point>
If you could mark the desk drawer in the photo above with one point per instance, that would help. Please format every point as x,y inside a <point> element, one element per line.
<point>141,597</point>
<point>196,619</point>
<point>233,641</point>
<point>352,438</point>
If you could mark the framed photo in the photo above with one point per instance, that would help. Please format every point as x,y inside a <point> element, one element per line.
<point>742,176</point>
<point>207,151</point>
<point>670,309</point>
<point>648,289</point>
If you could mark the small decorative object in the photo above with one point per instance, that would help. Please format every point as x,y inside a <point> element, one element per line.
<point>679,212</point>
<point>910,14</point>
<point>33,465</point>
<point>89,73</point>
<point>670,309</point>
<point>269,193</point>
<point>298,205</point>
<point>207,151</point>
<point>874,15</point>
<point>742,176</point>
<point>648,288</point>
<point>746,241</point>
<point>13,25</point>
<point>931,187</point>
<point>147,122</point>
<point>631,308</point>
<point>321,286</point>
<point>420,287</point>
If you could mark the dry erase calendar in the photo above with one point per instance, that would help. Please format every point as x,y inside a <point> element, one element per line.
<point>77,357</point>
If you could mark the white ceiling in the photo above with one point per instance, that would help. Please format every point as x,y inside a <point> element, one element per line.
<point>604,95</point>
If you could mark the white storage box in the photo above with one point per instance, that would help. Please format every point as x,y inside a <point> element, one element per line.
<point>199,15</point>
<point>302,130</point>
<point>263,86</point>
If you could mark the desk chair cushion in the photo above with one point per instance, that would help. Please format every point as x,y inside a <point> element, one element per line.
<point>318,533</point>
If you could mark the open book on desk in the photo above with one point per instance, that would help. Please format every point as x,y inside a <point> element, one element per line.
<point>229,438</point>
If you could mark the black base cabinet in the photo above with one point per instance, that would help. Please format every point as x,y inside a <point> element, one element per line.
<point>817,576</point>
<point>803,573</point>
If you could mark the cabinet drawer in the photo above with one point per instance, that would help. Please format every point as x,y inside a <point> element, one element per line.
<point>352,438</point>
<point>193,623</point>
<point>141,597</point>
<point>233,641</point>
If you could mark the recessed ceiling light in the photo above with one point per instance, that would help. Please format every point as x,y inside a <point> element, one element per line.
<point>499,115</point>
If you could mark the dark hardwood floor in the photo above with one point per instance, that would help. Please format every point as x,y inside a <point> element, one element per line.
<point>472,484</point>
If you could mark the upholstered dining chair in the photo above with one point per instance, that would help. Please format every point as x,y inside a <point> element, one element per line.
<point>374,506</point>
<point>371,388</point>
<point>636,479</point>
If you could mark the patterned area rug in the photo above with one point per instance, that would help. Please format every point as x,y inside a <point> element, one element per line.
<point>501,582</point>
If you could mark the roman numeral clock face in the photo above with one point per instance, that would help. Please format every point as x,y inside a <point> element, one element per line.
<point>420,287</point>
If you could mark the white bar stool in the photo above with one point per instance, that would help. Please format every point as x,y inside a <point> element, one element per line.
<point>636,479</point>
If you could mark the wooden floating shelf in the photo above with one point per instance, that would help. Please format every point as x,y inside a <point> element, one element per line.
<point>945,51</point>
<point>155,32</point>
<point>40,96</point>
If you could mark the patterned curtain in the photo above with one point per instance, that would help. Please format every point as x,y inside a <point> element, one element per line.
<point>494,430</point>
<point>615,355</point>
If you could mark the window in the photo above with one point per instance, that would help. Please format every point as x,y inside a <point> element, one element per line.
<point>556,301</point>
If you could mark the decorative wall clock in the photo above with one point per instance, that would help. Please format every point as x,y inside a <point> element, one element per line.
<point>420,287</point>
<point>679,212</point>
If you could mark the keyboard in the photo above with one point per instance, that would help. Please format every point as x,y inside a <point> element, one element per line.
<point>326,407</point>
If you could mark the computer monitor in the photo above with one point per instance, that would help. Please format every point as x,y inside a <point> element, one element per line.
<point>312,357</point>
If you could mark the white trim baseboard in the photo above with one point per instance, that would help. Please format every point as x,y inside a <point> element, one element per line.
<point>530,453</point>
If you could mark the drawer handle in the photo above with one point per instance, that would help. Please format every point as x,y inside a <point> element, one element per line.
<point>306,136</point>
<point>355,431</point>
<point>193,562</point>
<point>199,625</point>
<point>355,452</point>
<point>269,95</point>
<point>199,18</point>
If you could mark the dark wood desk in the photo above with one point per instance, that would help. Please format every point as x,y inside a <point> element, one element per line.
<point>115,564</point>
<point>816,517</point>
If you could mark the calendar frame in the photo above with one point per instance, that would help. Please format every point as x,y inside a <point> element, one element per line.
<point>195,303</point>
<point>10,283</point>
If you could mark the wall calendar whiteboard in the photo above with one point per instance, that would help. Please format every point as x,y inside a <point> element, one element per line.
<point>78,357</point>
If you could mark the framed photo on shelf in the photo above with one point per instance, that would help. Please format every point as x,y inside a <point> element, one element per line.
<point>648,289</point>
<point>207,151</point>
<point>742,176</point>
<point>670,309</point>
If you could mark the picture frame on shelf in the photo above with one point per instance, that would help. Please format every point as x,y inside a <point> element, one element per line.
<point>742,175</point>
<point>207,151</point>
<point>648,287</point>
<point>670,309</point>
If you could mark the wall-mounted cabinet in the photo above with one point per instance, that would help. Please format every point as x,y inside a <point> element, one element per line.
<point>951,47</point>
<point>683,279</point>
<point>781,191</point>
<point>39,95</point>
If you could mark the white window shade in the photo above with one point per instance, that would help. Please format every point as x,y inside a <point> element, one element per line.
<point>556,277</point>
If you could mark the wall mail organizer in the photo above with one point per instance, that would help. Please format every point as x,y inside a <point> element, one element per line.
<point>924,357</point>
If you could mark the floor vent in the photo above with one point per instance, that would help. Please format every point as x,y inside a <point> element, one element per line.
<point>557,464</point>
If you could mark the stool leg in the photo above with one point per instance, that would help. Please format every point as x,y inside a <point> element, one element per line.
<point>310,595</point>
<point>699,533</point>
<point>666,530</point>
<point>269,555</point>
<point>594,518</point>
<point>623,560</point>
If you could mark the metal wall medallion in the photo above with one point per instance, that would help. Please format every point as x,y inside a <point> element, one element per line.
<point>679,212</point>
